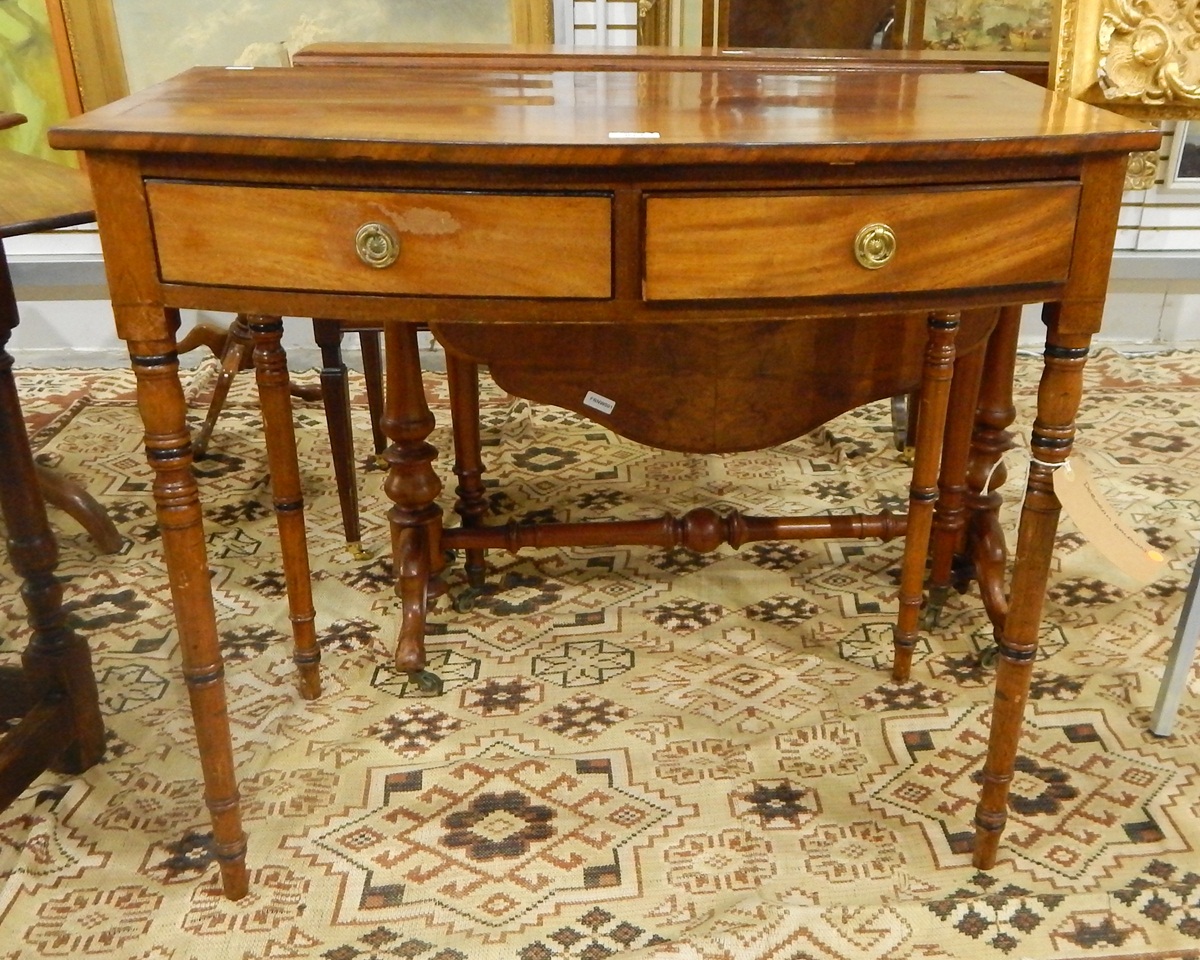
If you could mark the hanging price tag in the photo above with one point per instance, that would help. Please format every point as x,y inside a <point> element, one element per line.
<point>1096,519</point>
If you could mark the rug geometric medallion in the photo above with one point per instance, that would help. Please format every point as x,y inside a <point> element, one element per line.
<point>633,752</point>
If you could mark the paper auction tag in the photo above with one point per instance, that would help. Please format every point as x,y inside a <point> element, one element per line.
<point>1096,519</point>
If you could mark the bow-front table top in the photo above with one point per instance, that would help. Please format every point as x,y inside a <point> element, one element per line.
<point>496,117</point>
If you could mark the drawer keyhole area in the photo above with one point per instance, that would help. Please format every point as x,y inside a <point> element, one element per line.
<point>875,245</point>
<point>376,245</point>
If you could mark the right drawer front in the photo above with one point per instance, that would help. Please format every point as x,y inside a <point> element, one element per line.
<point>749,246</point>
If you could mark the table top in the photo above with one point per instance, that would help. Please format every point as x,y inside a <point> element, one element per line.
<point>562,117</point>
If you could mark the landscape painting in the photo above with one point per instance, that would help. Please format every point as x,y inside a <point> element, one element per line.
<point>30,81</point>
<point>989,24</point>
<point>158,39</point>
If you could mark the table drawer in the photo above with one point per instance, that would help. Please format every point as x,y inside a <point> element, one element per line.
<point>446,244</point>
<point>749,246</point>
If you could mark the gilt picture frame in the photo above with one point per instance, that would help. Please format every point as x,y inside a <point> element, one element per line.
<point>1140,59</point>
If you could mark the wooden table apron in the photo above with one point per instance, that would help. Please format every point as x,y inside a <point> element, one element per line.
<point>654,196</point>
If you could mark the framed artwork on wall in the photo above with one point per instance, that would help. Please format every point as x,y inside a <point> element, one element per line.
<point>30,82</point>
<point>118,46</point>
<point>991,25</point>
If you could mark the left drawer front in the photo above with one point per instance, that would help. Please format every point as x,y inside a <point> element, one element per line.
<point>448,244</point>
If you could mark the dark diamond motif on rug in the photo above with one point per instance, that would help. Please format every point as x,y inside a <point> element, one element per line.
<point>414,730</point>
<point>596,935</point>
<point>685,615</point>
<point>1003,919</point>
<point>384,944</point>
<point>776,556</point>
<point>511,833</point>
<point>502,696</point>
<point>910,695</point>
<point>783,609</point>
<point>680,561</point>
<point>1167,896</point>
<point>583,717</point>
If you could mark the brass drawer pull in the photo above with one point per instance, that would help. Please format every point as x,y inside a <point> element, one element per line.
<point>376,245</point>
<point>875,245</point>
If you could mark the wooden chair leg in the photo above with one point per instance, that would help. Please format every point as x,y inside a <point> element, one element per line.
<point>994,414</point>
<point>335,392</point>
<point>71,498</point>
<point>270,365</point>
<point>234,357</point>
<point>936,378</point>
<point>950,514</point>
<point>471,506</point>
<point>371,344</point>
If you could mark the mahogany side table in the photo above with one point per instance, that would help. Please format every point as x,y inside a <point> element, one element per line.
<point>685,203</point>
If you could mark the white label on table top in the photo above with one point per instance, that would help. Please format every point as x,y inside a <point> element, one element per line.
<point>597,402</point>
<point>633,135</point>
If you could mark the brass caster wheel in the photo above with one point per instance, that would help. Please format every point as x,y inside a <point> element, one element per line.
<point>931,614</point>
<point>427,682</point>
<point>464,601</point>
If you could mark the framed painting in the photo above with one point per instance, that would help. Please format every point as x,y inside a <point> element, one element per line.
<point>984,25</point>
<point>30,82</point>
<point>117,46</point>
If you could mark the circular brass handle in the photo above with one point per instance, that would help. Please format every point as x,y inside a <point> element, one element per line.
<point>875,245</point>
<point>376,245</point>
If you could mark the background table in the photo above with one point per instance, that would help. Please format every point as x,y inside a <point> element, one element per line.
<point>53,692</point>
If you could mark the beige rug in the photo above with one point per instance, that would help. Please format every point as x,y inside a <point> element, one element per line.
<point>636,753</point>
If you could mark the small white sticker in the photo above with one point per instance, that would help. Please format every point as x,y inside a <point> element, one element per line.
<point>597,402</point>
<point>632,135</point>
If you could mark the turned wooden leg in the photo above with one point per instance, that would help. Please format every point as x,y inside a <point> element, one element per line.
<point>270,366</point>
<point>56,663</point>
<point>995,412</point>
<point>335,393</point>
<point>950,513</point>
<point>234,357</point>
<point>369,342</point>
<point>936,377</point>
<point>169,450</point>
<point>471,506</point>
<point>1053,435</point>
<point>413,487</point>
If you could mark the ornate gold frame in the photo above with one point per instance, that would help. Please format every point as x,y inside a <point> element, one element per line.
<point>1139,57</point>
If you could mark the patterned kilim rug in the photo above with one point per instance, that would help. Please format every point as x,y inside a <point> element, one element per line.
<point>637,753</point>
